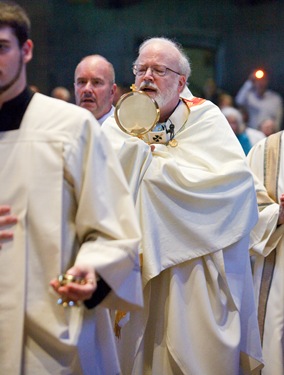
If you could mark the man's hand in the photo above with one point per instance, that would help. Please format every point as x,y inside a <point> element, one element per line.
<point>75,291</point>
<point>281,211</point>
<point>6,220</point>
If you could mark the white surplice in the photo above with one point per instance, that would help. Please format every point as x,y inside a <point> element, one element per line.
<point>196,204</point>
<point>266,238</point>
<point>63,181</point>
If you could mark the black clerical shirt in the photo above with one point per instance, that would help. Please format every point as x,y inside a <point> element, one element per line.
<point>12,112</point>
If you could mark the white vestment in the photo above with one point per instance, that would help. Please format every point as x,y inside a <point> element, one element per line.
<point>64,183</point>
<point>196,204</point>
<point>265,239</point>
<point>104,117</point>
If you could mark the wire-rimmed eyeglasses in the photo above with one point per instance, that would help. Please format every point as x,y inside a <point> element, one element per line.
<point>156,70</point>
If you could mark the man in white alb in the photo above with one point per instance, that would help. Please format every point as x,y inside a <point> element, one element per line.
<point>75,216</point>
<point>196,203</point>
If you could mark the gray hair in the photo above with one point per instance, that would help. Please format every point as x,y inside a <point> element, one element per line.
<point>231,111</point>
<point>184,64</point>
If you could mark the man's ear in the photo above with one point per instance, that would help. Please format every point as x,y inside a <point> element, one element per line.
<point>27,50</point>
<point>113,89</point>
<point>181,83</point>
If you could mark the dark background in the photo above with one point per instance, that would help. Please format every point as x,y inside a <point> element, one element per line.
<point>225,40</point>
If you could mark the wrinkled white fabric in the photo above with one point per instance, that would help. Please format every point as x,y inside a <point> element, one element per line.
<point>196,204</point>
<point>267,237</point>
<point>63,181</point>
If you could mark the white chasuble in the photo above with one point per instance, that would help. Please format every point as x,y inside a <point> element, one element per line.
<point>197,205</point>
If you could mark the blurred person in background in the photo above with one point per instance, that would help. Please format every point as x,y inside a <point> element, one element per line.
<point>61,93</point>
<point>259,101</point>
<point>246,136</point>
<point>268,126</point>
<point>34,88</point>
<point>210,91</point>
<point>225,100</point>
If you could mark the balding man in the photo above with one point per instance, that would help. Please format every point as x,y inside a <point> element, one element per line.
<point>95,86</point>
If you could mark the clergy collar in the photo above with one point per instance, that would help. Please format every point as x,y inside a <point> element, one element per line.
<point>12,111</point>
<point>104,117</point>
<point>178,117</point>
<point>164,133</point>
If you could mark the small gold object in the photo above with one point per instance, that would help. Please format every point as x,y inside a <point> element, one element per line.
<point>65,279</point>
<point>173,142</point>
<point>133,87</point>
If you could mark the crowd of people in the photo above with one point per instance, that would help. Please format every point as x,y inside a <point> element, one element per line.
<point>254,113</point>
<point>167,244</point>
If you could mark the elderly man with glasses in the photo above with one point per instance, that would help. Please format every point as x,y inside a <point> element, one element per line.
<point>196,204</point>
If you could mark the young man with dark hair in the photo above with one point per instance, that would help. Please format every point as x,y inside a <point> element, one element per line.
<point>75,217</point>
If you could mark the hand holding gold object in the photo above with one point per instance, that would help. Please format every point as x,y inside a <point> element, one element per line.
<point>65,279</point>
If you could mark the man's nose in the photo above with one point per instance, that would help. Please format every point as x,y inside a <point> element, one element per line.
<point>148,74</point>
<point>88,86</point>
